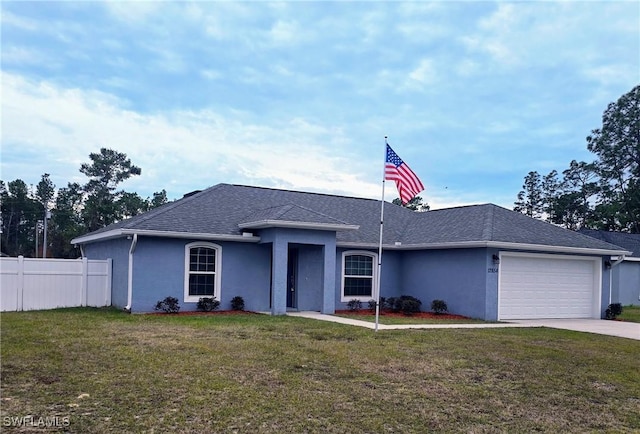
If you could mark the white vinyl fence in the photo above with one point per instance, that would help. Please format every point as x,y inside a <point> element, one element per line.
<point>43,283</point>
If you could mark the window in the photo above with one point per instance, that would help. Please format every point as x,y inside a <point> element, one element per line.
<point>202,271</point>
<point>358,275</point>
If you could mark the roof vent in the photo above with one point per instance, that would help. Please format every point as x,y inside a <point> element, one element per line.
<point>191,193</point>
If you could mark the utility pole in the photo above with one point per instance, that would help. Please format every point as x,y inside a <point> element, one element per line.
<point>47,216</point>
<point>37,235</point>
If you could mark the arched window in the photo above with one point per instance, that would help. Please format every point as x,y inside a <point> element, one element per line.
<point>358,275</point>
<point>202,271</point>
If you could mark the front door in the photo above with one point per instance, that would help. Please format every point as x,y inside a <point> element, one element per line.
<point>292,278</point>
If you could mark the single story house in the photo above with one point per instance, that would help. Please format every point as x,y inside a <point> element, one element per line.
<point>290,250</point>
<point>625,272</point>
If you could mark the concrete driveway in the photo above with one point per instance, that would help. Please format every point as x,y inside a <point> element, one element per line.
<point>621,329</point>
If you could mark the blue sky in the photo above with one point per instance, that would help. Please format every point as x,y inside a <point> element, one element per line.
<point>299,95</point>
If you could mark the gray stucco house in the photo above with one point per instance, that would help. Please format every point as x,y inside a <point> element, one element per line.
<point>625,272</point>
<point>289,250</point>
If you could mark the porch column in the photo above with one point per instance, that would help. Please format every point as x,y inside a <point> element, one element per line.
<point>280,255</point>
<point>329,277</point>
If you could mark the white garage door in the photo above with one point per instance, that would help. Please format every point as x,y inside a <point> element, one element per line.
<point>548,286</point>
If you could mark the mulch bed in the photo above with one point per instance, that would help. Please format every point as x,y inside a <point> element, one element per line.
<point>390,314</point>
<point>363,312</point>
<point>199,312</point>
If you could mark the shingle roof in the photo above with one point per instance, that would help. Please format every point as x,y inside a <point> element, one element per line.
<point>630,242</point>
<point>290,214</point>
<point>224,208</point>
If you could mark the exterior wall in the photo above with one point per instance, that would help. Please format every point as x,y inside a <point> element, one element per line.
<point>607,287</point>
<point>492,269</point>
<point>626,283</point>
<point>390,275</point>
<point>457,276</point>
<point>118,250</point>
<point>159,267</point>
<point>467,279</point>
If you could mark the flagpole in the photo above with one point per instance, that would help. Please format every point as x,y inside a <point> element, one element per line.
<point>377,283</point>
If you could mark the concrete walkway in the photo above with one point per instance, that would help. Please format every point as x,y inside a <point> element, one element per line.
<point>604,327</point>
<point>371,325</point>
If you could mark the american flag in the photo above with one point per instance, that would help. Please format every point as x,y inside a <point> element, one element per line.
<point>397,170</point>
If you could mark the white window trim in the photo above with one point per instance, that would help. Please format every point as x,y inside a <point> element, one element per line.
<point>374,277</point>
<point>218,273</point>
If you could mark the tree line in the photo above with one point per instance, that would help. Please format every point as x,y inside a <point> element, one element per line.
<point>74,210</point>
<point>603,194</point>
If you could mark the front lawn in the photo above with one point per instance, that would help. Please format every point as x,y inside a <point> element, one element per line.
<point>109,372</point>
<point>630,313</point>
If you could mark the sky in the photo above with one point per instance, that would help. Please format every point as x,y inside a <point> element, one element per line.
<point>300,95</point>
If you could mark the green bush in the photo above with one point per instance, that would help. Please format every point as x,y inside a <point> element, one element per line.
<point>404,303</point>
<point>354,305</point>
<point>389,303</point>
<point>372,304</point>
<point>439,306</point>
<point>410,305</point>
<point>208,304</point>
<point>168,305</point>
<point>237,303</point>
<point>613,310</point>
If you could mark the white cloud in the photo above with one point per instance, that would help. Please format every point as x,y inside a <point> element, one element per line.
<point>179,149</point>
<point>10,19</point>
<point>132,11</point>
<point>424,74</point>
<point>284,32</point>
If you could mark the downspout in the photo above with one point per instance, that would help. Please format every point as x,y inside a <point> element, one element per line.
<point>132,249</point>
<point>613,264</point>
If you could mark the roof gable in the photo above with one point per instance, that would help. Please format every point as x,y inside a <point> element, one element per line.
<point>293,216</point>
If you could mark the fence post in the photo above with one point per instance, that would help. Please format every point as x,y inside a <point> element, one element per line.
<point>85,282</point>
<point>107,289</point>
<point>20,288</point>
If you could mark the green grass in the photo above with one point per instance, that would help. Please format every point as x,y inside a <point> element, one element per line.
<point>110,372</point>
<point>389,320</point>
<point>630,313</point>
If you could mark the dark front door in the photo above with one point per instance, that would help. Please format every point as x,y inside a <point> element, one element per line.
<point>292,278</point>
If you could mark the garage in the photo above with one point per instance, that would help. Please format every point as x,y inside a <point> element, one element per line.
<point>536,286</point>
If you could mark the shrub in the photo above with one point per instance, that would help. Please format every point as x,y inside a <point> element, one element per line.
<point>613,310</point>
<point>439,306</point>
<point>372,304</point>
<point>237,303</point>
<point>410,305</point>
<point>390,303</point>
<point>354,305</point>
<point>168,305</point>
<point>404,303</point>
<point>208,304</point>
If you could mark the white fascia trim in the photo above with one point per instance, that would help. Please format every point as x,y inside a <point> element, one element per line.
<point>627,258</point>
<point>196,235</point>
<point>492,244</point>
<point>555,249</point>
<point>115,233</point>
<point>262,224</point>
